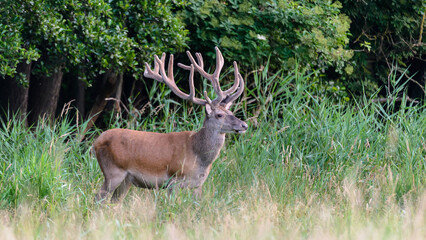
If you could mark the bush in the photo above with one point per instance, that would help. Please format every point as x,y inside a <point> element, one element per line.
<point>250,31</point>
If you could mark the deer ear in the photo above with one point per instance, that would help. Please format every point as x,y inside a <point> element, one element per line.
<point>209,109</point>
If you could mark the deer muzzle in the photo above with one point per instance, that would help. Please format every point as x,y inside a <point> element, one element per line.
<point>242,128</point>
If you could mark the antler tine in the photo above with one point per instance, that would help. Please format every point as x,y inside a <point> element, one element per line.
<point>219,63</point>
<point>191,95</point>
<point>209,101</point>
<point>200,60</point>
<point>183,66</point>
<point>170,68</point>
<point>154,74</point>
<point>236,81</point>
<point>165,77</point>
<point>163,60</point>
<point>198,66</point>
<point>229,99</point>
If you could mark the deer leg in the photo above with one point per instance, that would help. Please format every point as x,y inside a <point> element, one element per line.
<point>113,178</point>
<point>198,192</point>
<point>171,186</point>
<point>122,190</point>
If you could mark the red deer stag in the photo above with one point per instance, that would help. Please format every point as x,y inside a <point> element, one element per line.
<point>176,159</point>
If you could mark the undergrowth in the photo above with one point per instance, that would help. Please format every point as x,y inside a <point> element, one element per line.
<point>307,167</point>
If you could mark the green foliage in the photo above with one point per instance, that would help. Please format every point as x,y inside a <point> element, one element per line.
<point>45,165</point>
<point>328,140</point>
<point>152,26</point>
<point>32,162</point>
<point>90,36</point>
<point>251,31</point>
<point>13,46</point>
<point>384,33</point>
<point>100,41</point>
<point>389,28</point>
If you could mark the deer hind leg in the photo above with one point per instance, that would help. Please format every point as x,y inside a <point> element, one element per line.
<point>113,178</point>
<point>121,190</point>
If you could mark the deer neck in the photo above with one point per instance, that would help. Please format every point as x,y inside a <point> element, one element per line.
<point>207,144</point>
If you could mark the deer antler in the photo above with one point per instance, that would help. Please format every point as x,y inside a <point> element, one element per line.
<point>159,74</point>
<point>223,97</point>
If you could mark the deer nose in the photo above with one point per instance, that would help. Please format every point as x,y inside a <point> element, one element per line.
<point>244,125</point>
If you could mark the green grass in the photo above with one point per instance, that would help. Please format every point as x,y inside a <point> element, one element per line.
<point>306,168</point>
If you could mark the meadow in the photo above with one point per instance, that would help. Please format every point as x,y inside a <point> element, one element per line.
<point>308,168</point>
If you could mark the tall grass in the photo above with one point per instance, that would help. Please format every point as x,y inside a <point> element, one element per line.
<point>306,168</point>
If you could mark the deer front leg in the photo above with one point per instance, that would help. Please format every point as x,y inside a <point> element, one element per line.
<point>196,184</point>
<point>183,184</point>
<point>198,192</point>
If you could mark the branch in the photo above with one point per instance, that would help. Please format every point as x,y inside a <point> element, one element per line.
<point>118,102</point>
<point>421,29</point>
<point>398,99</point>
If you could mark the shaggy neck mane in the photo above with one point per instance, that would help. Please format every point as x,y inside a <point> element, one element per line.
<point>207,144</point>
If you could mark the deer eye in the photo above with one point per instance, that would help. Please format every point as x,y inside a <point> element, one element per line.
<point>219,115</point>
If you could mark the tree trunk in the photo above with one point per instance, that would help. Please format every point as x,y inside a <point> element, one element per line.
<point>118,93</point>
<point>416,86</point>
<point>16,93</point>
<point>109,86</point>
<point>44,94</point>
<point>81,93</point>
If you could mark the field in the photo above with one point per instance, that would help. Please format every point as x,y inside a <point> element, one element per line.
<point>307,168</point>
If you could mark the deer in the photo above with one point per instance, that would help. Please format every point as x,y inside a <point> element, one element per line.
<point>175,159</point>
